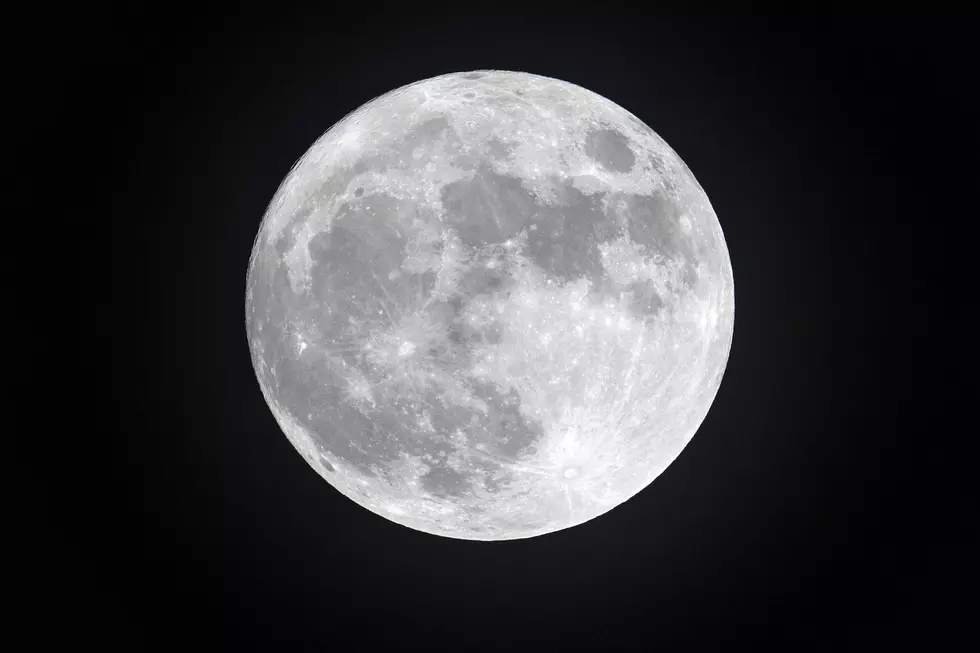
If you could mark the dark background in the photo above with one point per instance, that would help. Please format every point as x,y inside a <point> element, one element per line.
<point>822,505</point>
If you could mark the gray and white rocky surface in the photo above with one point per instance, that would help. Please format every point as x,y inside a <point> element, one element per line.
<point>490,305</point>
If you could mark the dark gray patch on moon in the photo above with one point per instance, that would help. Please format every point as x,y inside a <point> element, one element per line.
<point>565,244</point>
<point>499,150</point>
<point>644,300</point>
<point>492,333</point>
<point>654,222</point>
<point>357,265</point>
<point>426,133</point>
<point>424,136</point>
<point>562,237</point>
<point>610,149</point>
<point>487,209</point>
<point>343,276</point>
<point>371,437</point>
<point>463,335</point>
<point>310,391</point>
<point>483,280</point>
<point>445,311</point>
<point>504,430</point>
<point>444,481</point>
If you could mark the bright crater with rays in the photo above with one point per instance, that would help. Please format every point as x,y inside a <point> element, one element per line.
<point>490,305</point>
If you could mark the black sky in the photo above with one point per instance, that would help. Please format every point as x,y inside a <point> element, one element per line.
<point>822,505</point>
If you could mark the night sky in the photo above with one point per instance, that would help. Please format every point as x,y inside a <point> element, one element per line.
<point>823,503</point>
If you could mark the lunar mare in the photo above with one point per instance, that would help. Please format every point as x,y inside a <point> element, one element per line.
<point>490,305</point>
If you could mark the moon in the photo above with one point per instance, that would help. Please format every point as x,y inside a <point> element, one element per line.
<point>490,305</point>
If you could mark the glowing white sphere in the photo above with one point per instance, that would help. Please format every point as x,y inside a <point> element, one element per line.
<point>490,305</point>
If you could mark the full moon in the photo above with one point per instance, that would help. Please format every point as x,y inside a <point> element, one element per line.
<point>490,305</point>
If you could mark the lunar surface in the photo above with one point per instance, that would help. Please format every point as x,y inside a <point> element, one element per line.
<point>490,305</point>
